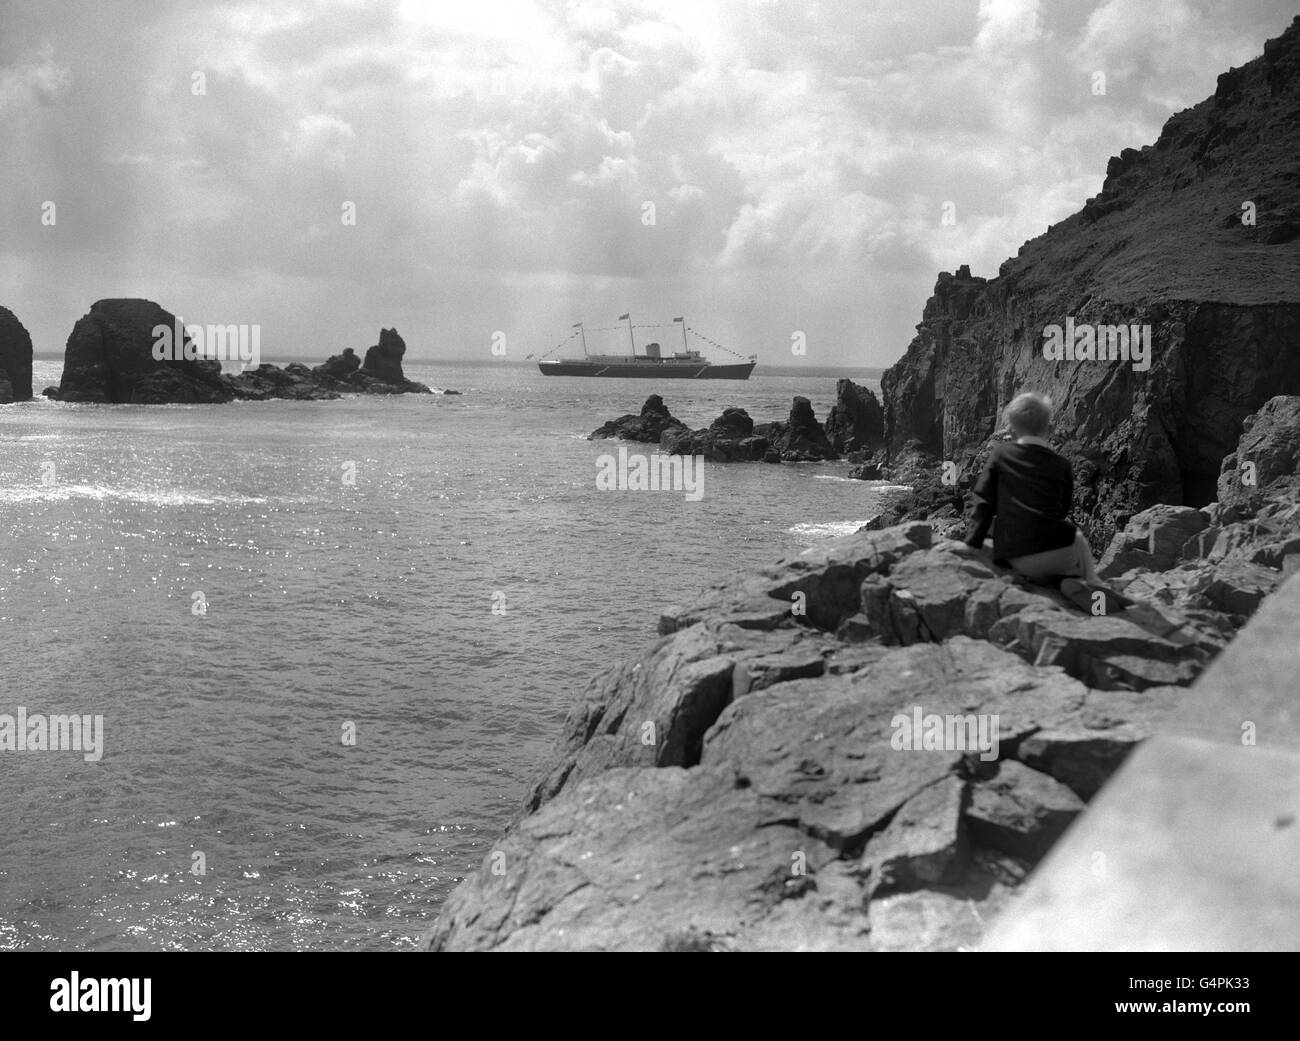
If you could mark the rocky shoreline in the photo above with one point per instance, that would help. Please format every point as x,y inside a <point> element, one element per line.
<point>740,785</point>
<point>766,776</point>
<point>110,359</point>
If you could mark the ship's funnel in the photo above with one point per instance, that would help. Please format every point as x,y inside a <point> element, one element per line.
<point>652,350</point>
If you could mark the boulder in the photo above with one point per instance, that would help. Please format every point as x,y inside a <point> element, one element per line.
<point>1020,811</point>
<point>1153,539</point>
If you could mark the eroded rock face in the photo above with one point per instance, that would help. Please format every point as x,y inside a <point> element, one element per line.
<point>109,359</point>
<point>731,438</point>
<point>1222,304</point>
<point>15,359</point>
<point>856,423</point>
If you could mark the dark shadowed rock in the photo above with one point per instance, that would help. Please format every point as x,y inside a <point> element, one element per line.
<point>647,427</point>
<point>800,439</point>
<point>381,372</point>
<point>384,360</point>
<point>15,358</point>
<point>856,422</point>
<point>110,351</point>
<point>339,366</point>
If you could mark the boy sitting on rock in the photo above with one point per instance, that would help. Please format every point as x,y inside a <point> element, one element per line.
<point>1029,488</point>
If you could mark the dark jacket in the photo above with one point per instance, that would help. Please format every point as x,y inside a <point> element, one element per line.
<point>1029,488</point>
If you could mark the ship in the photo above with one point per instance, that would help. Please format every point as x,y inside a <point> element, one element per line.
<point>652,363</point>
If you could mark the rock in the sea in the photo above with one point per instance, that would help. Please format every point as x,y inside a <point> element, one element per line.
<point>856,422</point>
<point>800,439</point>
<point>647,427</point>
<point>728,439</point>
<point>381,372</point>
<point>15,358</point>
<point>109,359</point>
<point>1021,811</point>
<point>339,366</point>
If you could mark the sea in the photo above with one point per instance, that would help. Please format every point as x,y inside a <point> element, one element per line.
<point>330,643</point>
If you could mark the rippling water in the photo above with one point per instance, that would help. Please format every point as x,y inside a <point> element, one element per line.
<point>330,603</point>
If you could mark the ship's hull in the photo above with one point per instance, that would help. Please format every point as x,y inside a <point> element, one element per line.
<point>649,368</point>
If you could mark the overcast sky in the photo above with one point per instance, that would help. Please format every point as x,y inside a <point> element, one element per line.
<point>500,155</point>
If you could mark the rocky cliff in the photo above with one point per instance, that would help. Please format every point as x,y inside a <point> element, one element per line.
<point>1197,237</point>
<point>761,777</point>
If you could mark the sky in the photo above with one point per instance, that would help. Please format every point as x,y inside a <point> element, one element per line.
<point>784,174</point>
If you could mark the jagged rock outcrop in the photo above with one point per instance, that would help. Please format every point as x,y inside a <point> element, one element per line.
<point>381,372</point>
<point>856,423</point>
<point>800,439</point>
<point>15,359</point>
<point>1264,464</point>
<point>1163,245</point>
<point>110,358</point>
<point>339,366</point>
<point>731,438</point>
<point>647,427</point>
<point>752,782</point>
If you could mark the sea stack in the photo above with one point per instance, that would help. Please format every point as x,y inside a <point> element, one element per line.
<point>15,359</point>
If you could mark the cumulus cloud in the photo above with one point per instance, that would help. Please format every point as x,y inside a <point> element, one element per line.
<point>523,164</point>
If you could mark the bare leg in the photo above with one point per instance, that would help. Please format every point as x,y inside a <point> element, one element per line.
<point>1087,566</point>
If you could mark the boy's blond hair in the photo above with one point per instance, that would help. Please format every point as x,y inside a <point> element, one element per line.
<point>1029,415</point>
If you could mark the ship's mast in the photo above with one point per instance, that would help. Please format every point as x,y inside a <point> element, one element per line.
<point>583,333</point>
<point>685,346</point>
<point>629,334</point>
